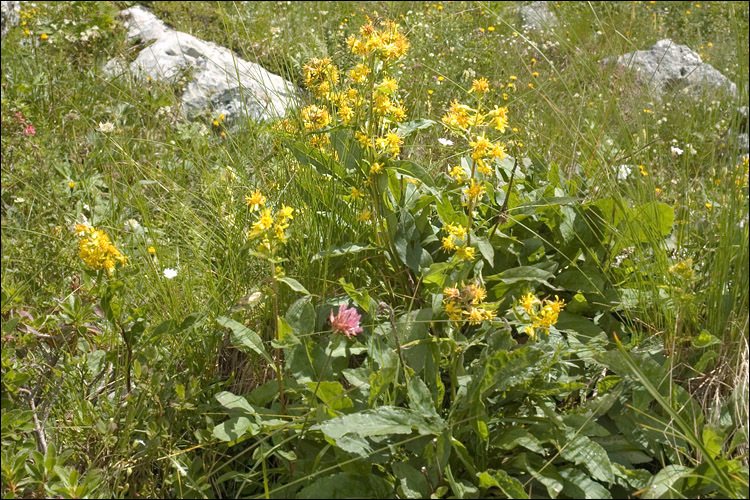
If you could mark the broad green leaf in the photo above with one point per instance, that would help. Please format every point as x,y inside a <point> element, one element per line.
<point>408,242</point>
<point>345,249</point>
<point>235,403</point>
<point>301,316</point>
<point>583,451</point>
<point>294,284</point>
<point>347,485</point>
<point>383,421</point>
<point>586,279</point>
<point>332,394</point>
<point>666,483</point>
<point>234,428</point>
<point>411,169</point>
<point>461,488</point>
<point>505,369</point>
<point>362,298</point>
<point>407,128</point>
<point>579,485</point>
<point>622,451</point>
<point>243,337</point>
<point>712,441</point>
<point>704,339</point>
<point>515,437</point>
<point>485,248</point>
<point>413,483</point>
<point>420,399</point>
<point>524,273</point>
<point>510,486</point>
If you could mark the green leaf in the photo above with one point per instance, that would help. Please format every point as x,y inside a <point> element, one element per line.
<point>245,338</point>
<point>408,242</point>
<point>413,483</point>
<point>579,485</point>
<point>583,451</point>
<point>485,248</point>
<point>235,403</point>
<point>294,284</point>
<point>234,428</point>
<point>704,339</point>
<point>524,273</point>
<point>510,486</point>
<point>622,451</point>
<point>362,298</point>
<point>301,316</point>
<point>407,128</point>
<point>515,437</point>
<point>383,421</point>
<point>345,249</point>
<point>332,394</point>
<point>712,441</point>
<point>586,279</point>
<point>505,369</point>
<point>420,399</point>
<point>347,485</point>
<point>667,482</point>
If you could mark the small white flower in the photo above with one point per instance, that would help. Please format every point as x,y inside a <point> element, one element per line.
<point>623,171</point>
<point>676,151</point>
<point>106,127</point>
<point>19,199</point>
<point>170,273</point>
<point>445,142</point>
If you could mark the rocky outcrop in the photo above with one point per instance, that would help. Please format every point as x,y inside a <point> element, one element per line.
<point>8,15</point>
<point>537,16</point>
<point>668,67</point>
<point>218,82</point>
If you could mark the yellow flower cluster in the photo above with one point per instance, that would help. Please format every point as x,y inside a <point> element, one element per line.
<point>321,76</point>
<point>457,241</point>
<point>541,313</point>
<point>460,304</point>
<point>387,44</point>
<point>96,251</point>
<point>269,228</point>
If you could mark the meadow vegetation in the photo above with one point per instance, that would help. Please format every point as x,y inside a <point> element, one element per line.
<point>473,262</point>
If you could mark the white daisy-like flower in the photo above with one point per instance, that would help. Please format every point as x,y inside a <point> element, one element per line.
<point>106,127</point>
<point>676,151</point>
<point>623,171</point>
<point>445,142</point>
<point>170,273</point>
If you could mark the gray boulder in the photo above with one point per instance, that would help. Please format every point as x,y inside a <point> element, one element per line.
<point>537,16</point>
<point>218,82</point>
<point>668,67</point>
<point>8,15</point>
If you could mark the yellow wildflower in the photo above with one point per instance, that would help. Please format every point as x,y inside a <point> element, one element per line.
<point>255,200</point>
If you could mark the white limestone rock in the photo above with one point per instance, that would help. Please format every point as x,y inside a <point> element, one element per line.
<point>668,67</point>
<point>537,16</point>
<point>219,82</point>
<point>8,15</point>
